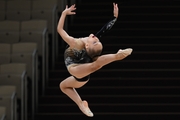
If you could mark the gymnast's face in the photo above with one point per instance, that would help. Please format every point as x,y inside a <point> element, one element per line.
<point>93,45</point>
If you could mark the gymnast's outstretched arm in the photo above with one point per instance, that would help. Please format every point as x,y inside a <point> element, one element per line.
<point>110,23</point>
<point>60,28</point>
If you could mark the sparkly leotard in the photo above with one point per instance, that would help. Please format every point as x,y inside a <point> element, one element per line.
<point>74,56</point>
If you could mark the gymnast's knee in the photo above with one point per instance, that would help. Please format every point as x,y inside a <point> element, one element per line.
<point>61,86</point>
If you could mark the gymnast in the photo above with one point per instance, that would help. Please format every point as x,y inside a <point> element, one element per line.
<point>83,56</point>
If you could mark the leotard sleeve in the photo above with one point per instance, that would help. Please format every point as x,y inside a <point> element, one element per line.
<point>106,27</point>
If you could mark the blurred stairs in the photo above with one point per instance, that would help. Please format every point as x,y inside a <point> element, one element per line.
<point>145,85</point>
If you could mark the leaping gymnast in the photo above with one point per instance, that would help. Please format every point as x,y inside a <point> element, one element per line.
<point>83,57</point>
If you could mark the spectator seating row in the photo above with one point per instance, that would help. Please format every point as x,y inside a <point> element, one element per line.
<point>19,67</point>
<point>29,31</point>
<point>22,10</point>
<point>25,25</point>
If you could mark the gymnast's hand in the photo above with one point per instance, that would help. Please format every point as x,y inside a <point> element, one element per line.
<point>70,10</point>
<point>116,10</point>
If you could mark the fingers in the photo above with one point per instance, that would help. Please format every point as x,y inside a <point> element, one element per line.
<point>115,5</point>
<point>70,10</point>
<point>115,9</point>
<point>73,7</point>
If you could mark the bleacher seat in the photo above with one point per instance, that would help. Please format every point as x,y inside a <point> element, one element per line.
<point>37,31</point>
<point>13,69</point>
<point>48,10</point>
<point>8,99</point>
<point>18,10</point>
<point>9,31</point>
<point>26,52</point>
<point>16,68</point>
<point>20,81</point>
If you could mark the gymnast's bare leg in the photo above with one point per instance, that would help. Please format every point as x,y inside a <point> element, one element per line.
<point>68,85</point>
<point>88,68</point>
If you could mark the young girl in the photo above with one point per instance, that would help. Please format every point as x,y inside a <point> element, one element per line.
<point>83,57</point>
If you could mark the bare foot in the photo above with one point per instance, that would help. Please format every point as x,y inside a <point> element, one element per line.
<point>121,54</point>
<point>85,109</point>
